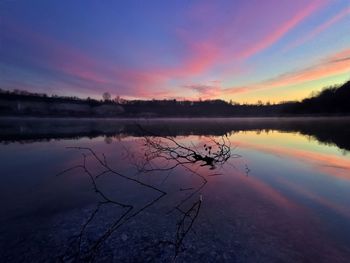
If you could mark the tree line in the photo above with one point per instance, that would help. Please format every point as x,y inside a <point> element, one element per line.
<point>331,100</point>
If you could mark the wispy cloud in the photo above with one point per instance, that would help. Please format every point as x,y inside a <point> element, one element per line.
<point>206,91</point>
<point>333,65</point>
<point>76,67</point>
<point>282,30</point>
<point>320,28</point>
<point>208,40</point>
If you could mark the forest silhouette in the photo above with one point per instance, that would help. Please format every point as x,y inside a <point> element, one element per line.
<point>333,100</point>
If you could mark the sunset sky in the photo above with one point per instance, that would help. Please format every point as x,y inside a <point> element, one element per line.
<point>269,50</point>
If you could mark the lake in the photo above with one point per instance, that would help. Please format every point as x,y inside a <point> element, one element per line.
<point>184,190</point>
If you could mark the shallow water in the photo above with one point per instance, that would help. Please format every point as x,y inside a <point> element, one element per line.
<point>283,196</point>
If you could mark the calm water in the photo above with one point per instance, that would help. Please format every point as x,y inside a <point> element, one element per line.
<point>282,196</point>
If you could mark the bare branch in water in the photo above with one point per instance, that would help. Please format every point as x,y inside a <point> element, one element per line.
<point>174,153</point>
<point>161,153</point>
<point>129,211</point>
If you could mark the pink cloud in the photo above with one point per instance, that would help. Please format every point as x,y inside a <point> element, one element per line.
<point>211,91</point>
<point>211,50</point>
<point>80,70</point>
<point>201,56</point>
<point>333,65</point>
<point>202,52</point>
<point>283,29</point>
<point>55,54</point>
<point>317,30</point>
<point>74,63</point>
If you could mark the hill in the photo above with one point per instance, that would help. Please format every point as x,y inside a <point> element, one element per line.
<point>333,100</point>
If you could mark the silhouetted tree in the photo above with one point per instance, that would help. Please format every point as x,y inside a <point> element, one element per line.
<point>106,96</point>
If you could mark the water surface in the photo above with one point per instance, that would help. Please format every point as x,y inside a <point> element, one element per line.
<point>283,196</point>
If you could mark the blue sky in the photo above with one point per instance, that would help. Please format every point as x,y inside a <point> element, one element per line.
<point>246,51</point>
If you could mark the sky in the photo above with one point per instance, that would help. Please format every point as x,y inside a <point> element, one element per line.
<point>244,51</point>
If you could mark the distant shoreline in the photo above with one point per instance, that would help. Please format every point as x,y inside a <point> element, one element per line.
<point>330,102</point>
<point>172,118</point>
<point>299,116</point>
<point>32,129</point>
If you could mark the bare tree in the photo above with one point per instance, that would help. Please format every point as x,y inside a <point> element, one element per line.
<point>117,99</point>
<point>106,96</point>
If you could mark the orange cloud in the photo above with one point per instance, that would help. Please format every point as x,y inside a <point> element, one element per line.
<point>331,66</point>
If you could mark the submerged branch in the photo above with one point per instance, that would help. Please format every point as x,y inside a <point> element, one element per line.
<point>160,153</point>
